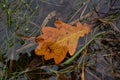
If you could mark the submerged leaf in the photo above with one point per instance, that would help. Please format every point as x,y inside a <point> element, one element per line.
<point>56,42</point>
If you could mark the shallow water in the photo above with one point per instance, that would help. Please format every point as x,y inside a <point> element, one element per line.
<point>26,17</point>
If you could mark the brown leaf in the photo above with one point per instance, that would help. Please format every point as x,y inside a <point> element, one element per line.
<point>55,42</point>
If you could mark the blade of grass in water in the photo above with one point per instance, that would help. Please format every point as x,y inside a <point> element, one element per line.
<point>77,53</point>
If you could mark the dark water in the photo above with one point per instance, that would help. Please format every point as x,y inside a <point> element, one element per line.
<point>17,58</point>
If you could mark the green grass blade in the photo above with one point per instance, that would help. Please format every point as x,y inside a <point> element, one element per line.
<point>77,53</point>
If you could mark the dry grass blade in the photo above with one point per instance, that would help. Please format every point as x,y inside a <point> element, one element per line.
<point>84,6</point>
<point>84,9</point>
<point>83,72</point>
<point>96,78</point>
<point>48,18</point>
<point>114,27</point>
<point>25,47</point>
<point>81,18</point>
<point>106,21</point>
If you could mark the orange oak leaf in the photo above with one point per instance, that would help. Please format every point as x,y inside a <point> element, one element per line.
<point>56,42</point>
